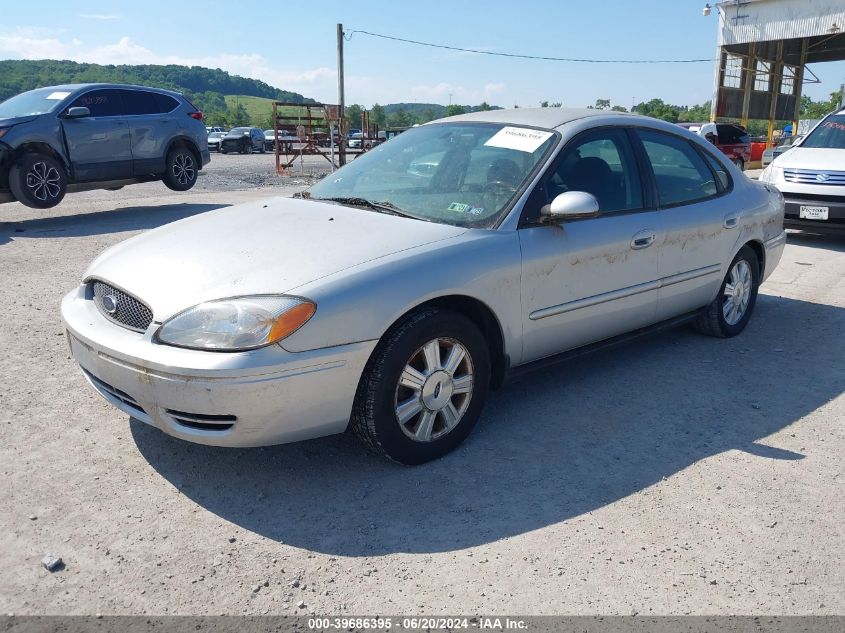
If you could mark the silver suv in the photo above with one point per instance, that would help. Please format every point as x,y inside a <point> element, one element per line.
<point>78,137</point>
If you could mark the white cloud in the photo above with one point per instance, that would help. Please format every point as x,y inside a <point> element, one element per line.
<point>442,92</point>
<point>100,16</point>
<point>320,82</point>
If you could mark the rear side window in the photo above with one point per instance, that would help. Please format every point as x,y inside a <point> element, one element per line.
<point>100,102</point>
<point>165,103</point>
<point>139,102</point>
<point>680,173</point>
<point>721,173</point>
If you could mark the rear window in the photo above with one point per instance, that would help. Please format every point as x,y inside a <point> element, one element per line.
<point>166,103</point>
<point>680,173</point>
<point>830,133</point>
<point>139,102</point>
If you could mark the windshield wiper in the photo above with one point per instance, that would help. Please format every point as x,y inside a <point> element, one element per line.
<point>382,207</point>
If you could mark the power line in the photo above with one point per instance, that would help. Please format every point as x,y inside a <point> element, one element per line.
<point>348,36</point>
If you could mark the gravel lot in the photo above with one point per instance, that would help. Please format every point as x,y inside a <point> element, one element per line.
<point>674,475</point>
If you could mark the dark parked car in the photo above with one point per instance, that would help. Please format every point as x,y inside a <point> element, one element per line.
<point>245,140</point>
<point>78,137</point>
<point>732,140</point>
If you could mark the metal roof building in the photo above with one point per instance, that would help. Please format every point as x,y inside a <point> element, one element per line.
<point>764,47</point>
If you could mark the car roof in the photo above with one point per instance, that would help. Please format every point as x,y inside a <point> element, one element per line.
<point>88,86</point>
<point>548,118</point>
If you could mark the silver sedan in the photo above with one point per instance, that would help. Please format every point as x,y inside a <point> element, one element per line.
<point>392,295</point>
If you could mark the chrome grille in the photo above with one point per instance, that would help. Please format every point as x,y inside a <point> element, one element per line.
<point>814,177</point>
<point>122,308</point>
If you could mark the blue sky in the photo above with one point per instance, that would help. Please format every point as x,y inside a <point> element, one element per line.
<point>236,36</point>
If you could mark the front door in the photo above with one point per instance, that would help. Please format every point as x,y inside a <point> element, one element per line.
<point>588,280</point>
<point>99,145</point>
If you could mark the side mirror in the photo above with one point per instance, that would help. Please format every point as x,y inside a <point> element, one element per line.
<point>570,205</point>
<point>77,113</point>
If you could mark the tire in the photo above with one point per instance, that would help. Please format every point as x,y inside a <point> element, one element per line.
<point>38,181</point>
<point>440,417</point>
<point>717,319</point>
<point>263,148</point>
<point>247,148</point>
<point>740,164</point>
<point>181,169</point>
<point>222,151</point>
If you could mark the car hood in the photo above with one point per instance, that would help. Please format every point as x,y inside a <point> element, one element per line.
<point>265,247</point>
<point>16,120</point>
<point>817,158</point>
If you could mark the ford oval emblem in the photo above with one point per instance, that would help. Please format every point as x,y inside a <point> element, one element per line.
<point>110,304</point>
<point>822,177</point>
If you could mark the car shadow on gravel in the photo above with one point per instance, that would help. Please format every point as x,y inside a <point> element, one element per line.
<point>101,222</point>
<point>560,443</point>
<point>834,243</point>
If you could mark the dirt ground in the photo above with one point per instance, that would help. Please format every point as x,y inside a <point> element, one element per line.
<point>674,475</point>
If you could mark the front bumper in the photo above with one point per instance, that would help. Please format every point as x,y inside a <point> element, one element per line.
<point>256,398</point>
<point>836,213</point>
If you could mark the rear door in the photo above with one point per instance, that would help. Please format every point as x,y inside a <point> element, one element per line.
<point>99,146</point>
<point>151,127</point>
<point>701,222</point>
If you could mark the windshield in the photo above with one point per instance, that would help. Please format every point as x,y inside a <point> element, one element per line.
<point>830,133</point>
<point>33,102</point>
<point>464,174</point>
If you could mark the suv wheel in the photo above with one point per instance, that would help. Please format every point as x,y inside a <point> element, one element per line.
<point>740,164</point>
<point>182,169</point>
<point>38,181</point>
<point>423,389</point>
<point>247,148</point>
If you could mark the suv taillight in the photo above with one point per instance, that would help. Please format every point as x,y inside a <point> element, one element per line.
<point>195,115</point>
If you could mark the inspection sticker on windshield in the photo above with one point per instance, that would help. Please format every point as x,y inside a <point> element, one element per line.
<point>459,207</point>
<point>57,96</point>
<point>518,138</point>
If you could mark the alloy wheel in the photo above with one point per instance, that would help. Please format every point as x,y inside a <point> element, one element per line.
<point>434,390</point>
<point>737,292</point>
<point>44,181</point>
<point>183,169</point>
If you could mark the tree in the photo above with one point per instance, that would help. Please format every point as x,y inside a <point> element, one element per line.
<point>544,104</point>
<point>817,109</point>
<point>237,116</point>
<point>400,118</point>
<point>353,116</point>
<point>377,115</point>
<point>658,109</point>
<point>484,107</point>
<point>602,104</point>
<point>453,109</point>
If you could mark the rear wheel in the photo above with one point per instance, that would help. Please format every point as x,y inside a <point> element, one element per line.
<point>740,164</point>
<point>38,181</point>
<point>731,310</point>
<point>182,169</point>
<point>424,387</point>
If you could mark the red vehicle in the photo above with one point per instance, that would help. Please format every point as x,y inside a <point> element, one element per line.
<point>732,140</point>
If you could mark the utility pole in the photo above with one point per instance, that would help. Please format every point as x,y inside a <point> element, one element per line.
<point>341,99</point>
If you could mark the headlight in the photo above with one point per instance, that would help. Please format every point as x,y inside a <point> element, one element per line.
<point>240,323</point>
<point>3,132</point>
<point>771,174</point>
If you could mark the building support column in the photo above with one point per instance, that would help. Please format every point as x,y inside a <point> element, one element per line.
<point>777,76</point>
<point>748,84</point>
<point>799,86</point>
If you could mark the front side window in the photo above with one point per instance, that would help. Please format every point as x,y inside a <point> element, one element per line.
<point>830,133</point>
<point>100,102</point>
<point>464,174</point>
<point>601,163</point>
<point>680,173</point>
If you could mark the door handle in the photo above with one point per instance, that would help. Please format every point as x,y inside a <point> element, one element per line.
<point>643,239</point>
<point>730,221</point>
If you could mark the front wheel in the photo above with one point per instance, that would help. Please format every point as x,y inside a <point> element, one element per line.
<point>424,387</point>
<point>38,181</point>
<point>740,164</point>
<point>730,311</point>
<point>181,169</point>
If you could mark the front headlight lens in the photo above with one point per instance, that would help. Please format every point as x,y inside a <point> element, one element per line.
<point>771,174</point>
<point>237,324</point>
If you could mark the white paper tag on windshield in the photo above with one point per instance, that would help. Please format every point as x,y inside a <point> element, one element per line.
<point>519,138</point>
<point>57,96</point>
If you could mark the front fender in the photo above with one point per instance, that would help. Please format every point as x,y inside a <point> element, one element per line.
<point>361,303</point>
